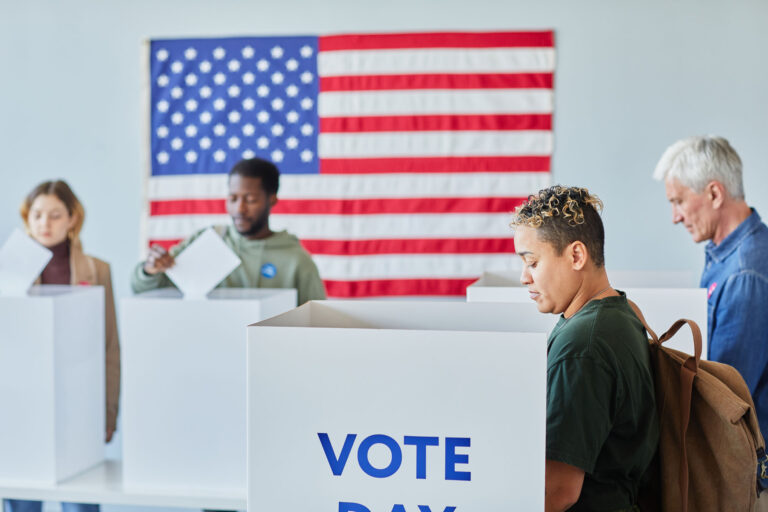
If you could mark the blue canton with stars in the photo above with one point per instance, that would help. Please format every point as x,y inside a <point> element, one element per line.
<point>217,101</point>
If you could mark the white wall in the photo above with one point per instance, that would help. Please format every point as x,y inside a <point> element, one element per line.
<point>631,78</point>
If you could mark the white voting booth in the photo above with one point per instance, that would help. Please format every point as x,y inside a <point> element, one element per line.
<point>359,406</point>
<point>500,286</point>
<point>184,387</point>
<point>663,297</point>
<point>51,384</point>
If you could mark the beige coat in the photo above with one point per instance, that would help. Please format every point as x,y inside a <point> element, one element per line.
<point>87,270</point>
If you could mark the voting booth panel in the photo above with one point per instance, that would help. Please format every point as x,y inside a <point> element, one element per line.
<point>653,279</point>
<point>184,387</point>
<point>660,305</point>
<point>51,384</point>
<point>501,286</point>
<point>380,406</point>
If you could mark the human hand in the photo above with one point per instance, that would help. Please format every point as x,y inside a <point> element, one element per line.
<point>158,260</point>
<point>110,433</point>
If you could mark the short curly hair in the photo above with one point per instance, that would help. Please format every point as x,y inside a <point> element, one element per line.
<point>563,215</point>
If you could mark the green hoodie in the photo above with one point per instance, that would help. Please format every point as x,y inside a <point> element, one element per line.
<point>278,261</point>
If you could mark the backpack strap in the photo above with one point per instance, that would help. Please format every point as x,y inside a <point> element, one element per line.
<point>697,340</point>
<point>639,315</point>
<point>688,372</point>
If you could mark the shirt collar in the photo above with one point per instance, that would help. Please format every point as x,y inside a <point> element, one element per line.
<point>242,241</point>
<point>732,241</point>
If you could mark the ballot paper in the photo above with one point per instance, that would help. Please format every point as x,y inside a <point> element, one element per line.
<point>21,261</point>
<point>202,265</point>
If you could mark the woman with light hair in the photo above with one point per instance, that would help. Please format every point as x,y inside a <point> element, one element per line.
<point>53,216</point>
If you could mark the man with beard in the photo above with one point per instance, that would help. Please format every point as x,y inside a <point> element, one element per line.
<point>269,259</point>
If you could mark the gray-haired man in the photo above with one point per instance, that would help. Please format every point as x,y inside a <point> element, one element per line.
<point>704,185</point>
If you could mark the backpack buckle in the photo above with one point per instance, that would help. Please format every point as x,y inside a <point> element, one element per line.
<point>762,470</point>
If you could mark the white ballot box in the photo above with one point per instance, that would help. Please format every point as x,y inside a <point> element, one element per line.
<point>365,406</point>
<point>51,384</point>
<point>183,401</point>
<point>661,303</point>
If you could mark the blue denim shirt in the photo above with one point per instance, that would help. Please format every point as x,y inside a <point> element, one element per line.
<point>736,278</point>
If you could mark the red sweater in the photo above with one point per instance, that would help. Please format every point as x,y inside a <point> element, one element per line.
<point>58,270</point>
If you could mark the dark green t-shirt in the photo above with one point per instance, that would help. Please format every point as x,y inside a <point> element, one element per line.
<point>601,410</point>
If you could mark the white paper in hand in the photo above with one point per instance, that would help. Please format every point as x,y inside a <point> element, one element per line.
<point>21,261</point>
<point>202,265</point>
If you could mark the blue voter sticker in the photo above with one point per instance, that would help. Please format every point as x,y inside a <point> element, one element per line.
<point>268,270</point>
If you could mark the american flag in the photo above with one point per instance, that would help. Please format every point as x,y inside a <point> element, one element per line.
<point>401,155</point>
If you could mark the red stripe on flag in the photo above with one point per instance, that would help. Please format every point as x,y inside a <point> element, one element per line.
<point>349,206</point>
<point>436,81</point>
<point>436,123</point>
<point>410,246</point>
<point>387,287</point>
<point>166,244</point>
<point>397,206</point>
<point>436,164</point>
<point>531,39</point>
<point>396,246</point>
<point>188,207</point>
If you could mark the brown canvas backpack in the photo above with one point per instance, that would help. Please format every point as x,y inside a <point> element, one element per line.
<point>708,405</point>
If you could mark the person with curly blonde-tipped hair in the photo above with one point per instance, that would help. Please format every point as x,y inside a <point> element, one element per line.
<point>602,428</point>
<point>53,216</point>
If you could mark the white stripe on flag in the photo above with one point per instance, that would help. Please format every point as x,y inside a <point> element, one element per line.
<point>426,144</point>
<point>174,227</point>
<point>365,186</point>
<point>408,266</point>
<point>435,60</point>
<point>362,227</point>
<point>422,102</point>
<point>350,227</point>
<point>187,186</point>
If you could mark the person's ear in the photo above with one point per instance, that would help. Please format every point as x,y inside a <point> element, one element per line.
<point>272,200</point>
<point>715,192</point>
<point>578,255</point>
